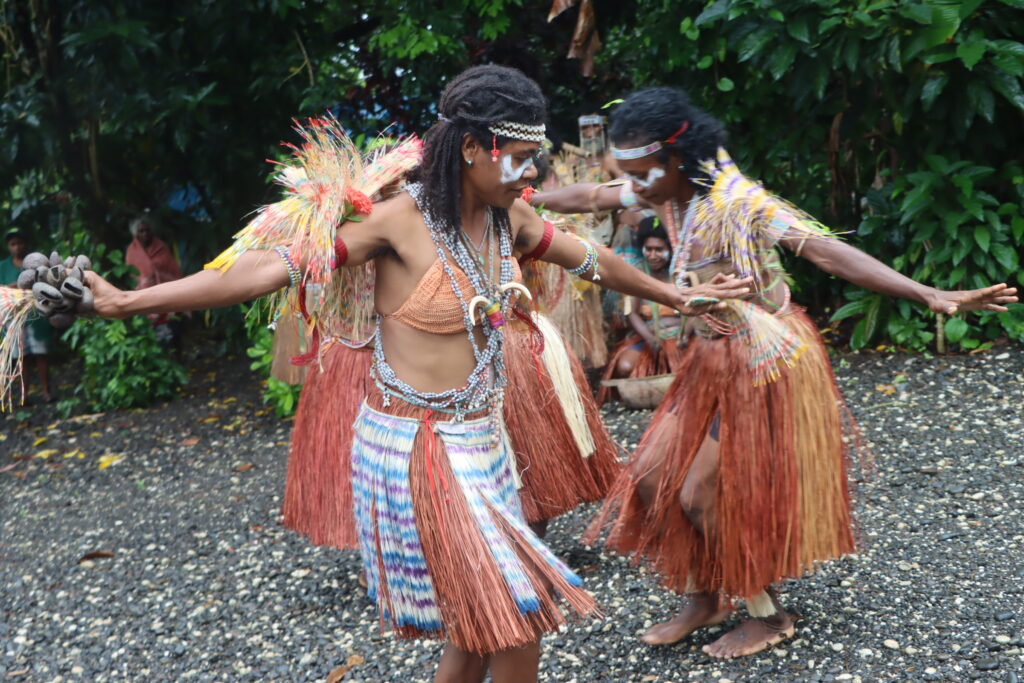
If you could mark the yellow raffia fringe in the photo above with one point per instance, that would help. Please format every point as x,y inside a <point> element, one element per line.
<point>556,360</point>
<point>327,173</point>
<point>741,220</point>
<point>16,305</point>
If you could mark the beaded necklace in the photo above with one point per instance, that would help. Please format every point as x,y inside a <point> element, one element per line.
<point>486,383</point>
<point>683,242</point>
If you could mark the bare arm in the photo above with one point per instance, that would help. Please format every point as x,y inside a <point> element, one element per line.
<point>577,198</point>
<point>254,274</point>
<point>615,273</point>
<point>640,326</point>
<point>853,265</point>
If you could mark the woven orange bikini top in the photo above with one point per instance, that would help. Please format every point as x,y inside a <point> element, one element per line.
<point>433,307</point>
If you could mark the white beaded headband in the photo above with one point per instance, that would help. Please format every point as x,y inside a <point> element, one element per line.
<point>519,131</point>
<point>640,152</point>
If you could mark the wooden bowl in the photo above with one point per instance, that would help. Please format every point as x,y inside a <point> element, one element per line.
<point>641,392</point>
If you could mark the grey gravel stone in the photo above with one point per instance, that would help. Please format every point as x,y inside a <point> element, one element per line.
<point>206,585</point>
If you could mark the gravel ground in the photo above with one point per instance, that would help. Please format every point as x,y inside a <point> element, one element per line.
<point>170,562</point>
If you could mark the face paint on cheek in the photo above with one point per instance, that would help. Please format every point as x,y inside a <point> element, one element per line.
<point>511,175</point>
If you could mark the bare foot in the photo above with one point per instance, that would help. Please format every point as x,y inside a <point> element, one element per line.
<point>700,610</point>
<point>753,635</point>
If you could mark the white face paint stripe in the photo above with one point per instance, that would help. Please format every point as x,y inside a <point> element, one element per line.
<point>509,174</point>
<point>653,175</point>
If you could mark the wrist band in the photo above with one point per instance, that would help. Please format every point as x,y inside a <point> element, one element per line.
<point>542,246</point>
<point>627,197</point>
<point>589,262</point>
<point>340,252</point>
<point>294,274</point>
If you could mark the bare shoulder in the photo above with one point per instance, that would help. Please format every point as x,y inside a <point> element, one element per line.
<point>525,221</point>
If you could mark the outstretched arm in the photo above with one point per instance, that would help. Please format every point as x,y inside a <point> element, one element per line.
<point>615,273</point>
<point>579,198</point>
<point>254,274</point>
<point>852,264</point>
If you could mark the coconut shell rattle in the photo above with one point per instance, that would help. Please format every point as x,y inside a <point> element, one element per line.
<point>58,286</point>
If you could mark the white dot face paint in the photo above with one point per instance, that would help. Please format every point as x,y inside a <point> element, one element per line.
<point>653,176</point>
<point>510,174</point>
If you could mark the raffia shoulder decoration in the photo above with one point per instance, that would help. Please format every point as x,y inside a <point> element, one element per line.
<point>329,182</point>
<point>741,220</point>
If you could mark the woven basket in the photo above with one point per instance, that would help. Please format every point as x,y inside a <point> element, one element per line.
<point>641,392</point>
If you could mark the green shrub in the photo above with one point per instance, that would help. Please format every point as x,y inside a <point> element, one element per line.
<point>123,365</point>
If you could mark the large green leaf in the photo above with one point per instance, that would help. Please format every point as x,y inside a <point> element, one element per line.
<point>955,329</point>
<point>971,53</point>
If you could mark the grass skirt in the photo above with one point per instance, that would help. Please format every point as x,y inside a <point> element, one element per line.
<point>556,476</point>
<point>446,550</point>
<point>318,488</point>
<point>782,504</point>
<point>648,364</point>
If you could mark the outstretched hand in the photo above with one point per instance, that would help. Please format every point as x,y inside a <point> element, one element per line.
<point>987,299</point>
<point>721,286</point>
<point>105,296</point>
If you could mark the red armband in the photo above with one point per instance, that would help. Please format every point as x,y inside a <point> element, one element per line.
<point>542,246</point>
<point>340,252</point>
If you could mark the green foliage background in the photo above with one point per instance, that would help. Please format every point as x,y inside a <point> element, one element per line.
<point>897,122</point>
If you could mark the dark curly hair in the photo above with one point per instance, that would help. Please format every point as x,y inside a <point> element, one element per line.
<point>650,227</point>
<point>475,99</point>
<point>656,114</point>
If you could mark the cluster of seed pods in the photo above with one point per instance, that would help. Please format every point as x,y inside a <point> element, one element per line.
<point>58,286</point>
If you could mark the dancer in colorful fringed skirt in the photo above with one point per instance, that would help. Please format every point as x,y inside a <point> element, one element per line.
<point>740,480</point>
<point>444,544</point>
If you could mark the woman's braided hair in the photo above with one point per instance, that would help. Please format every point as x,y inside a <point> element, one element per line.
<point>655,114</point>
<point>475,99</point>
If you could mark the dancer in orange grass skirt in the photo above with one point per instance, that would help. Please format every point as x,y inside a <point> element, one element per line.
<point>740,480</point>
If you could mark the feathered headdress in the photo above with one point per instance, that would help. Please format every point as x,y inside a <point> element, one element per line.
<point>330,182</point>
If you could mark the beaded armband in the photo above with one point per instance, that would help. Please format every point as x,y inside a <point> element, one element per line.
<point>589,262</point>
<point>294,274</point>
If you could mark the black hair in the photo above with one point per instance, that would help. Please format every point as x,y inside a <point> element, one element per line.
<point>656,114</point>
<point>474,100</point>
<point>650,227</point>
<point>16,233</point>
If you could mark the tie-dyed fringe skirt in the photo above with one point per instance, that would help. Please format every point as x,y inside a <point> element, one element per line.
<point>782,503</point>
<point>445,548</point>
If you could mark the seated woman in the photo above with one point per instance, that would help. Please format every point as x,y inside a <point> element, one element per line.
<point>652,349</point>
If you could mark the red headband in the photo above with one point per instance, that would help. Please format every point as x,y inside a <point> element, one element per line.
<point>682,129</point>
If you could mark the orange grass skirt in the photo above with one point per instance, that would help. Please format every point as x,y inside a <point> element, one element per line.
<point>318,487</point>
<point>446,551</point>
<point>782,502</point>
<point>555,475</point>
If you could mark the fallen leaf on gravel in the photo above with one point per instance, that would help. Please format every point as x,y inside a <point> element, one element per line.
<point>19,672</point>
<point>45,453</point>
<point>649,678</point>
<point>191,441</point>
<point>3,437</point>
<point>5,468</point>
<point>886,389</point>
<point>95,434</point>
<point>40,440</point>
<point>72,454</point>
<point>212,418</point>
<point>244,467</point>
<point>106,461</point>
<point>339,672</point>
<point>95,555</point>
